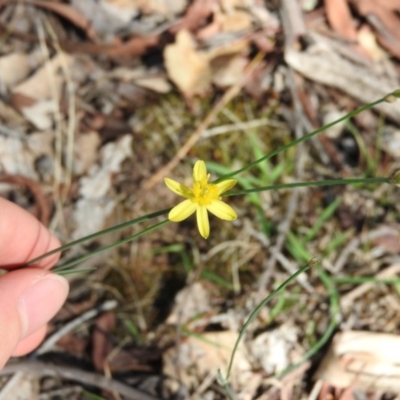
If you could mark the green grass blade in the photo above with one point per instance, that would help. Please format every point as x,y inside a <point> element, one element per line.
<point>297,248</point>
<point>210,276</point>
<point>326,214</point>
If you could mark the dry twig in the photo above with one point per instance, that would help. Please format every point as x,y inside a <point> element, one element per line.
<point>42,369</point>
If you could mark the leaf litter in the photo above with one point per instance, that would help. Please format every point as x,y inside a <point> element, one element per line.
<point>118,90</point>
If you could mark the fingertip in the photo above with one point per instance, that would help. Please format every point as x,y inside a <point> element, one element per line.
<point>30,343</point>
<point>29,298</point>
<point>38,303</point>
<point>24,238</point>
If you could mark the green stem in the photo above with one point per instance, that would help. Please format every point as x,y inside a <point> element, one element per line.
<point>328,182</point>
<point>302,139</point>
<point>97,234</point>
<point>62,268</point>
<point>335,319</point>
<point>257,311</point>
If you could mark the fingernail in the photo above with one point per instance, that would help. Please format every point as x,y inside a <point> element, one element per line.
<point>40,302</point>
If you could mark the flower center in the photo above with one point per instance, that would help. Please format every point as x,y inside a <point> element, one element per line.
<point>204,193</point>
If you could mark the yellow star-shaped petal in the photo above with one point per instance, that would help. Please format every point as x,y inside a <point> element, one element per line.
<point>202,197</point>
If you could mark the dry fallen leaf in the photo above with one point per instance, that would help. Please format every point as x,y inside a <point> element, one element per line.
<point>86,151</point>
<point>190,302</point>
<point>391,142</point>
<point>157,84</point>
<point>18,155</point>
<point>229,5</point>
<point>193,70</point>
<point>105,17</point>
<point>367,360</point>
<point>41,113</point>
<point>187,67</point>
<point>235,21</point>
<point>203,355</point>
<point>143,77</point>
<point>165,7</point>
<point>11,118</point>
<point>382,16</point>
<point>273,349</point>
<point>367,40</point>
<point>228,70</point>
<point>340,19</point>
<point>120,13</point>
<point>38,96</point>
<point>94,204</point>
<point>47,80</point>
<point>13,68</point>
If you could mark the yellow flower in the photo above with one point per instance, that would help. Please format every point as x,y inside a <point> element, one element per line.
<point>202,197</point>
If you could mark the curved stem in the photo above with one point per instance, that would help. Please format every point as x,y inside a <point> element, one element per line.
<point>335,319</point>
<point>257,310</point>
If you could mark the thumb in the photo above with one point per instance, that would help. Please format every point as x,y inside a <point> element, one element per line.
<point>29,298</point>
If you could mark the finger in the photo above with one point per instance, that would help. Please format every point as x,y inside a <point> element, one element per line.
<point>23,238</point>
<point>29,344</point>
<point>29,298</point>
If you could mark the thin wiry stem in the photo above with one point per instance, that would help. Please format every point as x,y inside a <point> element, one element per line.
<point>98,234</point>
<point>65,267</point>
<point>329,182</point>
<point>301,139</point>
<point>257,310</point>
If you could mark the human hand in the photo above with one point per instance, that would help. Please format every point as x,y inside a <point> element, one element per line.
<point>29,297</point>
